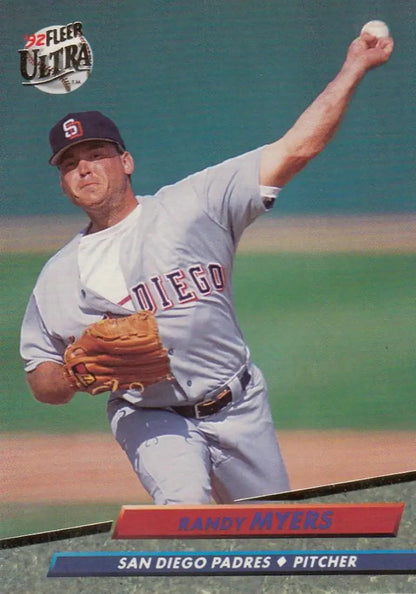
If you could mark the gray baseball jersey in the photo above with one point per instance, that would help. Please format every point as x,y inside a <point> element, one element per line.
<point>174,256</point>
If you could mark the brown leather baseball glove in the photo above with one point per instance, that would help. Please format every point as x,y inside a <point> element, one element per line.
<point>116,354</point>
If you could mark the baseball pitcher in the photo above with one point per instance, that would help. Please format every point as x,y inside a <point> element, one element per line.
<point>139,304</point>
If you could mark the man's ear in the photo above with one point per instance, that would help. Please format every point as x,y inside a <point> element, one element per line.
<point>128,162</point>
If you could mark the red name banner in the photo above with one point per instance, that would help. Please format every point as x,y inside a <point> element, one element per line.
<point>224,521</point>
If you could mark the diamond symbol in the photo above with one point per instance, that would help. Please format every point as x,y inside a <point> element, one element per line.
<point>281,561</point>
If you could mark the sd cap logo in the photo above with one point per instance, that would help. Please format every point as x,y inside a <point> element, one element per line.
<point>72,128</point>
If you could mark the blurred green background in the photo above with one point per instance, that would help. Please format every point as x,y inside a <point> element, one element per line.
<point>333,333</point>
<point>192,82</point>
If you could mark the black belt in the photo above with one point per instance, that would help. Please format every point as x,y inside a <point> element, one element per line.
<point>205,408</point>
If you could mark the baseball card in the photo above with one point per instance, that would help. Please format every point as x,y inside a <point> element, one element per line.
<point>208,250</point>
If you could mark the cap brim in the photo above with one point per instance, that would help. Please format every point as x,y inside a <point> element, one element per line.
<point>54,160</point>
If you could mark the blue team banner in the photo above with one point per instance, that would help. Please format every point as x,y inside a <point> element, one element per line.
<point>139,563</point>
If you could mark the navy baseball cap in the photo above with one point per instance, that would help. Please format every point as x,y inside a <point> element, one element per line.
<point>79,127</point>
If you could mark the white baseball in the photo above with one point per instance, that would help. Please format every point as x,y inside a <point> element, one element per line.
<point>377,28</point>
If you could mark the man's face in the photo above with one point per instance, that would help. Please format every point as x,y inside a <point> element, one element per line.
<point>93,173</point>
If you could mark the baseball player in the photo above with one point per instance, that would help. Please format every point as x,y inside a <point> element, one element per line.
<point>189,408</point>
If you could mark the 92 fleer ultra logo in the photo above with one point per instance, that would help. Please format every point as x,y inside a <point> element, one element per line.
<point>56,59</point>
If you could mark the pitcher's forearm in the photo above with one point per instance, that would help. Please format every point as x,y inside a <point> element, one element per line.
<point>49,385</point>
